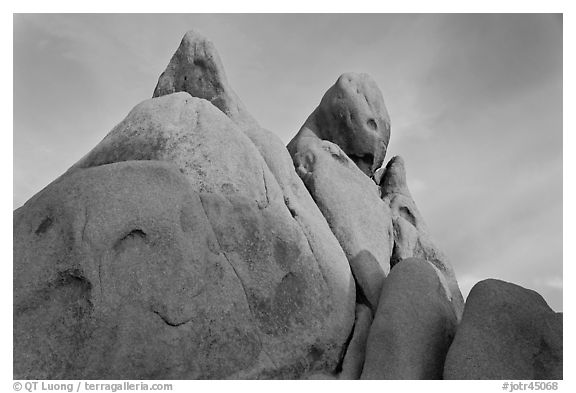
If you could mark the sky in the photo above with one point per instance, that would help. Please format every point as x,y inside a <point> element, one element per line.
<point>475,103</point>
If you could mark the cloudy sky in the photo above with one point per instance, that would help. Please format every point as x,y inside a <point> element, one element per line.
<point>475,103</point>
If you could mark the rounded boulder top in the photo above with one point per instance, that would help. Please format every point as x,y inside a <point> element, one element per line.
<point>352,114</point>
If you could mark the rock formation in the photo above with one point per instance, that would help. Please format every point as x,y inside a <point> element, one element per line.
<point>413,327</point>
<point>120,275</point>
<point>411,237</point>
<point>152,251</point>
<point>196,69</point>
<point>353,361</point>
<point>191,243</point>
<point>353,116</point>
<point>258,231</point>
<point>351,120</point>
<point>507,332</point>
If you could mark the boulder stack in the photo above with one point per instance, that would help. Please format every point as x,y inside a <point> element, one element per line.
<point>190,243</point>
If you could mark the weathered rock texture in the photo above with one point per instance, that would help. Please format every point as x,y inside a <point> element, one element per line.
<point>230,287</point>
<point>191,243</point>
<point>191,133</point>
<point>507,332</point>
<point>413,326</point>
<point>411,236</point>
<point>337,130</point>
<point>196,69</point>
<point>353,116</point>
<point>119,275</point>
<point>221,228</point>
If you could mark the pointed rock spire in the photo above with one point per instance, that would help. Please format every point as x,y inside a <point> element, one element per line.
<point>196,68</point>
<point>394,177</point>
<point>411,238</point>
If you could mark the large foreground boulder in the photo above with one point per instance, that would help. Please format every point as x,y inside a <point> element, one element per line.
<point>158,256</point>
<point>413,326</point>
<point>507,332</point>
<point>119,275</point>
<point>124,271</point>
<point>411,236</point>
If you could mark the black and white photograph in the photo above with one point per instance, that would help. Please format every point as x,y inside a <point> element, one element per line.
<point>287,196</point>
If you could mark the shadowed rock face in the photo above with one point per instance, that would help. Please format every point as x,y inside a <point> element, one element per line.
<point>353,361</point>
<point>507,332</point>
<point>352,115</point>
<point>411,237</point>
<point>413,326</point>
